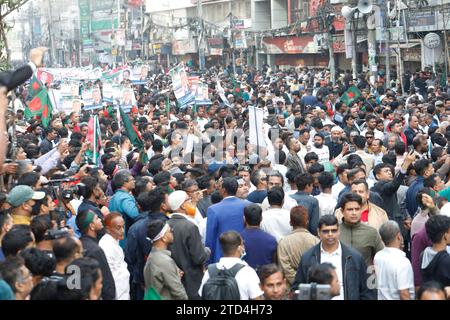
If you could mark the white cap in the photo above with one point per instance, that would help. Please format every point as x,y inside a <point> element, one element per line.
<point>176,199</point>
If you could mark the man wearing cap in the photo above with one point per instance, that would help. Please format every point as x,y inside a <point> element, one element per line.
<point>90,225</point>
<point>161,273</point>
<point>187,249</point>
<point>21,198</point>
<point>336,144</point>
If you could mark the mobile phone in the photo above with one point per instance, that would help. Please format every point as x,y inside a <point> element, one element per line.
<point>296,134</point>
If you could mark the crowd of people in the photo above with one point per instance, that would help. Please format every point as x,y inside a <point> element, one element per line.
<point>345,198</point>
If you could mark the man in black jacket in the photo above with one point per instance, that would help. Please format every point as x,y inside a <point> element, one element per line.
<point>154,205</point>
<point>350,266</point>
<point>187,249</point>
<point>47,144</point>
<point>387,187</point>
<point>89,225</point>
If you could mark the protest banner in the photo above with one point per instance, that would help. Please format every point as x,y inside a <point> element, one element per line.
<point>180,86</point>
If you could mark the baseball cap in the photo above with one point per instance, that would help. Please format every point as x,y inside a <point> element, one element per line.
<point>21,194</point>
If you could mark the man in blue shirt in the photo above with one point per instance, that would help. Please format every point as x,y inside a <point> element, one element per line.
<point>424,168</point>
<point>259,179</point>
<point>260,246</point>
<point>123,201</point>
<point>224,216</point>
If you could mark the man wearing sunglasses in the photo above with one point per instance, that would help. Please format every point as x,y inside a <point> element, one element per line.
<point>350,266</point>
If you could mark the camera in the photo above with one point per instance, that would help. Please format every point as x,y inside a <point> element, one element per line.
<point>56,234</point>
<point>313,291</point>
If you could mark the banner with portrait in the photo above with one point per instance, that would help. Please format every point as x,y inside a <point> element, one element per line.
<point>92,99</point>
<point>180,86</point>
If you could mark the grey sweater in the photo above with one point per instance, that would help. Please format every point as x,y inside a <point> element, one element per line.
<point>161,273</point>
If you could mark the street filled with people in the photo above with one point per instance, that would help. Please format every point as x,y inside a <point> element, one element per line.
<point>130,183</point>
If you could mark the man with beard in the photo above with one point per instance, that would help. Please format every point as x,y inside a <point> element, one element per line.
<point>336,144</point>
<point>371,125</point>
<point>293,161</point>
<point>320,149</point>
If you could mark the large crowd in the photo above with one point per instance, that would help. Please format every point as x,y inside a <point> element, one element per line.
<point>346,197</point>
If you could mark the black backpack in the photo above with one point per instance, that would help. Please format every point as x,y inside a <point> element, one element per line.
<point>222,284</point>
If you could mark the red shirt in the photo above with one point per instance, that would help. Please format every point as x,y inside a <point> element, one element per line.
<point>365,215</point>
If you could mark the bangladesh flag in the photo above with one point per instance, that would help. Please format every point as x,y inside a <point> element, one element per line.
<point>237,92</point>
<point>40,104</point>
<point>350,95</point>
<point>134,136</point>
<point>94,137</point>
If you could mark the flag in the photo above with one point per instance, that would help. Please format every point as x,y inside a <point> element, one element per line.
<point>167,105</point>
<point>350,95</point>
<point>34,88</point>
<point>40,104</point>
<point>237,92</point>
<point>134,136</point>
<point>94,137</point>
<point>132,132</point>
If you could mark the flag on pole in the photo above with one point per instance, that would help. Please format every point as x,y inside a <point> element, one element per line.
<point>350,95</point>
<point>134,136</point>
<point>132,132</point>
<point>94,137</point>
<point>40,104</point>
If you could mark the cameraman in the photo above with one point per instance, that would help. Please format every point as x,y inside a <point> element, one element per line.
<point>92,193</point>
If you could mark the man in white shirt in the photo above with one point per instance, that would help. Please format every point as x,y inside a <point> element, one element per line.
<point>395,278</point>
<point>276,179</point>
<point>115,230</point>
<point>341,173</point>
<point>276,221</point>
<point>327,203</point>
<point>233,251</point>
<point>320,148</point>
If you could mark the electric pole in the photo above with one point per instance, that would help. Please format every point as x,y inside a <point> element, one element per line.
<point>201,53</point>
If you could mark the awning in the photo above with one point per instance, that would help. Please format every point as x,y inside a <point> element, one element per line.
<point>404,45</point>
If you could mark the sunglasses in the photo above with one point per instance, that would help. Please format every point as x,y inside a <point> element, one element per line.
<point>333,231</point>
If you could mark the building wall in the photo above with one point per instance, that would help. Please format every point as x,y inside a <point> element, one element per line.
<point>261,17</point>
<point>279,17</point>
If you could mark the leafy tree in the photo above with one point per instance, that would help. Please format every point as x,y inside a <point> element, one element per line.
<point>6,7</point>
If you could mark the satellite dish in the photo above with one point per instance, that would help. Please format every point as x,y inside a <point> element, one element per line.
<point>365,6</point>
<point>347,12</point>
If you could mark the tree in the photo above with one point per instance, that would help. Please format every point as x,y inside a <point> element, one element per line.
<point>6,7</point>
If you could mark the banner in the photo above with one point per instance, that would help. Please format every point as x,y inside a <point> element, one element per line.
<point>256,133</point>
<point>180,86</point>
<point>140,74</point>
<point>92,99</point>
<point>45,77</point>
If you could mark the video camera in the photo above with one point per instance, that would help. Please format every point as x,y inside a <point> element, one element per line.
<point>56,234</point>
<point>313,291</point>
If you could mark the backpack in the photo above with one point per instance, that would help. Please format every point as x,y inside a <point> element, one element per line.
<point>222,284</point>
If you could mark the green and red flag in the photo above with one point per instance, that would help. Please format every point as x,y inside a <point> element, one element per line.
<point>94,137</point>
<point>40,104</point>
<point>134,136</point>
<point>132,132</point>
<point>350,95</point>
